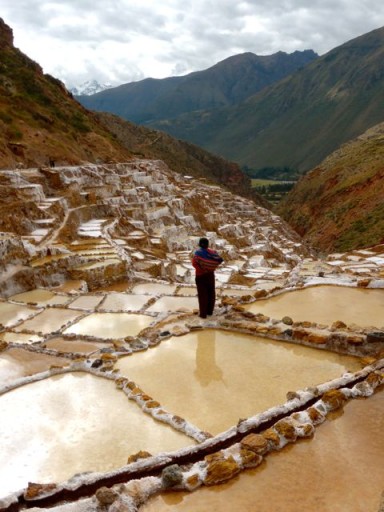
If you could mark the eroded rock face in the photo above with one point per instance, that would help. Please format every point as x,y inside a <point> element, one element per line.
<point>6,34</point>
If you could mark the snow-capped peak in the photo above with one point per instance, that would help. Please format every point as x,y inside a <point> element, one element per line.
<point>89,87</point>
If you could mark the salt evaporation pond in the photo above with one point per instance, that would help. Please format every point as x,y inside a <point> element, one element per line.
<point>165,304</point>
<point>213,377</point>
<point>52,429</point>
<point>16,363</point>
<point>326,304</point>
<point>110,325</point>
<point>41,297</point>
<point>11,314</point>
<point>124,302</point>
<point>50,320</point>
<point>154,288</point>
<point>87,302</point>
<point>340,470</point>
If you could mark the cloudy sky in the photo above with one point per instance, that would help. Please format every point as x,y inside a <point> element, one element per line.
<point>120,41</point>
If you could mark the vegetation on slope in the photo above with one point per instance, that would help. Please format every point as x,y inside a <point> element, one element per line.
<point>41,123</point>
<point>39,119</point>
<point>339,205</point>
<point>301,119</point>
<point>180,156</point>
<point>229,82</point>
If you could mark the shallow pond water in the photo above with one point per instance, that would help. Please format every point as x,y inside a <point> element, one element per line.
<point>87,302</point>
<point>326,304</point>
<point>340,470</point>
<point>154,288</point>
<point>124,302</point>
<point>16,363</point>
<point>70,424</point>
<point>110,325</point>
<point>50,320</point>
<point>213,377</point>
<point>165,304</point>
<point>38,296</point>
<point>11,314</point>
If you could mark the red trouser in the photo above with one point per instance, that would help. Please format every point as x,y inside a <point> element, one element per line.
<point>206,293</point>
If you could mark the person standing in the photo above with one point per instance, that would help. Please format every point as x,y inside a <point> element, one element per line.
<point>205,262</point>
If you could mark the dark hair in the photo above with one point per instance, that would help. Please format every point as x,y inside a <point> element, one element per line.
<point>203,243</point>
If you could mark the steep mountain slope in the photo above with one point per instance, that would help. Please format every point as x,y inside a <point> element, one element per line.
<point>227,83</point>
<point>339,205</point>
<point>40,121</point>
<point>180,156</point>
<point>303,118</point>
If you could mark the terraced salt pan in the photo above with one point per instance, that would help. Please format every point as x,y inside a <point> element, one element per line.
<point>48,259</point>
<point>187,291</point>
<point>165,304</point>
<point>16,363</point>
<point>18,337</point>
<point>86,302</point>
<point>70,424</point>
<point>50,320</point>
<point>326,304</point>
<point>124,302</point>
<point>98,264</point>
<point>64,345</point>
<point>154,288</point>
<point>40,297</point>
<point>340,470</point>
<point>110,325</point>
<point>213,378</point>
<point>11,314</point>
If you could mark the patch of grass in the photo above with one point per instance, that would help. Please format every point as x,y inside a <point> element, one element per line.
<point>366,231</point>
<point>6,118</point>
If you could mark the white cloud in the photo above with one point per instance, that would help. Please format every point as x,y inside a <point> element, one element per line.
<point>127,40</point>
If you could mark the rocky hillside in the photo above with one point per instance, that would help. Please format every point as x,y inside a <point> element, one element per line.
<point>42,124</point>
<point>303,118</point>
<point>227,83</point>
<point>339,205</point>
<point>40,121</point>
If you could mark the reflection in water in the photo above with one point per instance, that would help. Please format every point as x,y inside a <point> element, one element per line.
<point>70,424</point>
<point>213,377</point>
<point>326,304</point>
<point>206,368</point>
<point>340,470</point>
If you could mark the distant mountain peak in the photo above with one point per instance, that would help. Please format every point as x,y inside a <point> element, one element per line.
<point>89,87</point>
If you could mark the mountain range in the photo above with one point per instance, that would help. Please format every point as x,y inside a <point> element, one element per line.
<point>42,124</point>
<point>293,120</point>
<point>227,83</point>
